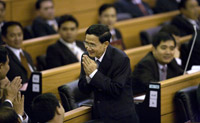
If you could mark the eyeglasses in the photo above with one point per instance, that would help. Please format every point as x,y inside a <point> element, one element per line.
<point>89,44</point>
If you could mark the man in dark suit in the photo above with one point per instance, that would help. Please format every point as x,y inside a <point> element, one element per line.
<point>20,61</point>
<point>108,78</point>
<point>108,16</point>
<point>166,6</point>
<point>157,65</point>
<point>66,50</point>
<point>10,95</point>
<point>45,23</point>
<point>188,17</point>
<point>136,8</point>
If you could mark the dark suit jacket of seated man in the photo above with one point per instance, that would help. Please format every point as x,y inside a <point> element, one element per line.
<point>110,82</point>
<point>149,69</point>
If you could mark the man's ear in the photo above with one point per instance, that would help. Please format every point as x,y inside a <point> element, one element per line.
<point>59,109</point>
<point>106,43</point>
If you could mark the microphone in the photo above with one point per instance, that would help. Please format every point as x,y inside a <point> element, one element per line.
<point>191,49</point>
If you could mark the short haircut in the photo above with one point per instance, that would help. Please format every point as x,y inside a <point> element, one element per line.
<point>182,4</point>
<point>66,18</point>
<point>170,29</point>
<point>162,36</point>
<point>104,7</point>
<point>39,2</point>
<point>44,107</point>
<point>8,115</point>
<point>3,3</point>
<point>8,24</point>
<point>100,30</point>
<point>3,55</point>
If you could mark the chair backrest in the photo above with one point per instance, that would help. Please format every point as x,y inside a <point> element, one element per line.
<point>72,98</point>
<point>146,36</point>
<point>186,104</point>
<point>41,62</point>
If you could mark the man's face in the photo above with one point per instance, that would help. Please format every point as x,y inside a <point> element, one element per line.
<point>4,68</point>
<point>108,17</point>
<point>94,47</point>
<point>14,37</point>
<point>2,12</point>
<point>191,9</point>
<point>68,31</point>
<point>46,10</point>
<point>164,52</point>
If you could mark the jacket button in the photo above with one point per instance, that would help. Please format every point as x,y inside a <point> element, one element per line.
<point>98,102</point>
<point>99,90</point>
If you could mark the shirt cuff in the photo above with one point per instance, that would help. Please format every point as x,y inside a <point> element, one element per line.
<point>92,74</point>
<point>22,119</point>
<point>7,100</point>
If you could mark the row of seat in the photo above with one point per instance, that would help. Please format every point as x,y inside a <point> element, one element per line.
<point>130,30</point>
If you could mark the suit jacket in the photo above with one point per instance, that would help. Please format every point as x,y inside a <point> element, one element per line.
<point>58,54</point>
<point>5,103</point>
<point>42,28</point>
<point>146,71</point>
<point>16,68</point>
<point>184,26</point>
<point>111,85</point>
<point>166,6</point>
<point>126,6</point>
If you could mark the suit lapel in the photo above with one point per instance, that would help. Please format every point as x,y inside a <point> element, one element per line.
<point>106,62</point>
<point>66,51</point>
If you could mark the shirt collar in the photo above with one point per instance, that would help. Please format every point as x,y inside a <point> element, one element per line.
<point>101,58</point>
<point>160,66</point>
<point>193,22</point>
<point>70,45</point>
<point>136,1</point>
<point>14,50</point>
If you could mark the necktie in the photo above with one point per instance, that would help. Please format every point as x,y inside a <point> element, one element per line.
<point>24,62</point>
<point>98,63</point>
<point>163,73</point>
<point>142,8</point>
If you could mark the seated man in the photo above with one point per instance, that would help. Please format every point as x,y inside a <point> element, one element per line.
<point>157,65</point>
<point>46,108</point>
<point>45,23</point>
<point>136,8</point>
<point>66,50</point>
<point>108,16</point>
<point>20,61</point>
<point>10,95</point>
<point>188,17</point>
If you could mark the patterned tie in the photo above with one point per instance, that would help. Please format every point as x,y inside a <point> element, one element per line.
<point>24,62</point>
<point>163,73</point>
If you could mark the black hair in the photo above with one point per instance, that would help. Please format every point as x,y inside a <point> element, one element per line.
<point>100,30</point>
<point>66,18</point>
<point>4,29</point>
<point>182,4</point>
<point>44,107</point>
<point>3,3</point>
<point>3,54</point>
<point>104,7</point>
<point>162,36</point>
<point>172,30</point>
<point>8,115</point>
<point>39,2</point>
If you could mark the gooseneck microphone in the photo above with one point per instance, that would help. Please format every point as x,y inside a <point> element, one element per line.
<point>191,49</point>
